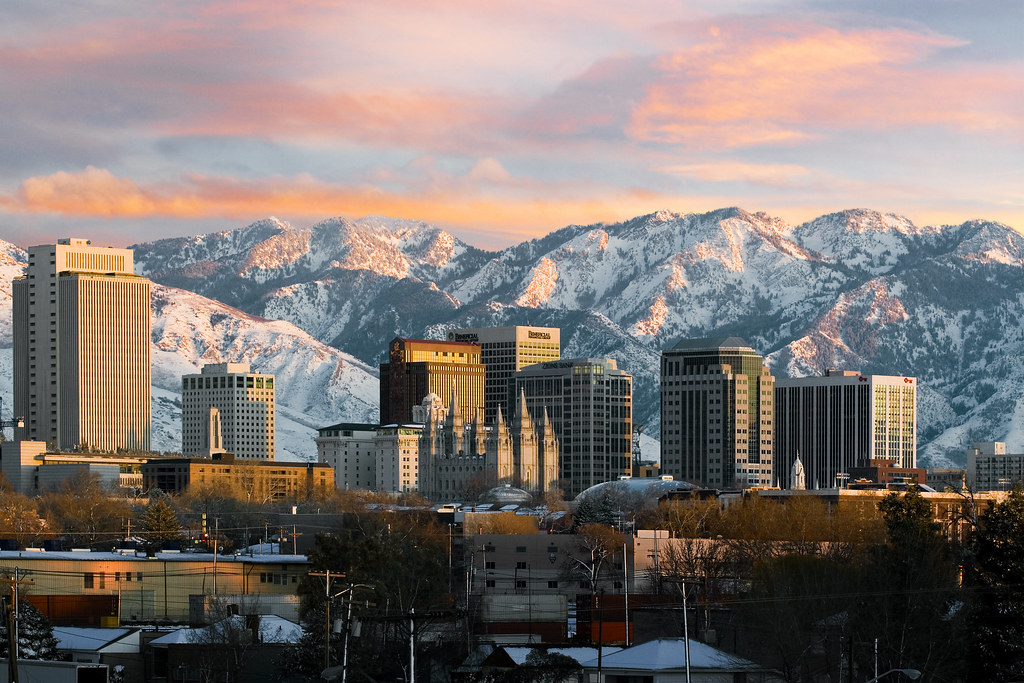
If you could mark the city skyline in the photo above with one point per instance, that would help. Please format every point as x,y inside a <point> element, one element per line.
<point>501,122</point>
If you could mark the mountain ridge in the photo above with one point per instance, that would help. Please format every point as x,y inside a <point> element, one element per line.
<point>856,289</point>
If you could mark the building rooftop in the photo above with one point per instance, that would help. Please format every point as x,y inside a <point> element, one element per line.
<point>652,487</point>
<point>712,344</point>
<point>351,426</point>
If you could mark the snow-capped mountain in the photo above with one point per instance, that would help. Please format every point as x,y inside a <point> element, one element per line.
<point>855,289</point>
<point>319,384</point>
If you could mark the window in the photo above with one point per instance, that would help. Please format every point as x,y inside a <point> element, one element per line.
<point>552,584</point>
<point>88,580</point>
<point>488,565</point>
<point>489,583</point>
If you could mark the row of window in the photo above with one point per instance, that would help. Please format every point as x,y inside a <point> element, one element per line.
<point>99,579</point>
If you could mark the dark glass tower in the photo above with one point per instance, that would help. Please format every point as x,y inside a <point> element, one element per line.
<point>717,400</point>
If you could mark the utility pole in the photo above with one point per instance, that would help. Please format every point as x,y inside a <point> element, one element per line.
<point>327,610</point>
<point>12,625</point>
<point>412,645</point>
<point>216,534</point>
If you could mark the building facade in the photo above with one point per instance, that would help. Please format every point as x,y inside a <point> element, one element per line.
<point>991,468</point>
<point>349,449</point>
<point>843,420</point>
<point>589,403</point>
<point>504,351</point>
<point>459,460</point>
<point>81,348</point>
<point>258,481</point>
<point>83,588</point>
<point>417,367</point>
<point>397,457</point>
<point>717,400</point>
<point>228,408</point>
<point>31,470</point>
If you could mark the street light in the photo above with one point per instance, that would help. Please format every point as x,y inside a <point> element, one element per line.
<point>912,674</point>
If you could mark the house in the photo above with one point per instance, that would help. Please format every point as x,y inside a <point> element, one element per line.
<point>115,647</point>
<point>244,648</point>
<point>664,661</point>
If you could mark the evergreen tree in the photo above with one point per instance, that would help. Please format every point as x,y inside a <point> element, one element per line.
<point>160,522</point>
<point>996,622</point>
<point>35,634</point>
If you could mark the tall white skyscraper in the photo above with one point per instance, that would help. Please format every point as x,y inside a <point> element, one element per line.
<point>244,403</point>
<point>81,348</point>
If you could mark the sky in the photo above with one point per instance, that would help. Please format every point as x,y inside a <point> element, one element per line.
<point>127,121</point>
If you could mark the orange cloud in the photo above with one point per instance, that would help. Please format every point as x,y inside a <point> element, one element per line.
<point>792,84</point>
<point>487,201</point>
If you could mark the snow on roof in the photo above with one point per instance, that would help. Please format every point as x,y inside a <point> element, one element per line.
<point>101,556</point>
<point>580,654</point>
<point>273,629</point>
<point>666,653</point>
<point>76,638</point>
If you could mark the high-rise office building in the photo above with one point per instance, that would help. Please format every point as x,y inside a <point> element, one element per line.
<point>843,420</point>
<point>589,403</point>
<point>417,367</point>
<point>717,400</point>
<point>241,401</point>
<point>504,351</point>
<point>81,348</point>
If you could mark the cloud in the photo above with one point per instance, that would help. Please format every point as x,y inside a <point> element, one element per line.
<point>793,83</point>
<point>487,200</point>
<point>771,175</point>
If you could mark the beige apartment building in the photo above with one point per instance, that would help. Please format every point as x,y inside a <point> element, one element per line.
<point>81,348</point>
<point>228,408</point>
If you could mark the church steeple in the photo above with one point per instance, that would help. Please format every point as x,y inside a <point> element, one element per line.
<point>797,474</point>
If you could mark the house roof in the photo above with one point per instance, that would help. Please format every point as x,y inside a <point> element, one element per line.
<point>273,629</point>
<point>670,653</point>
<point>76,638</point>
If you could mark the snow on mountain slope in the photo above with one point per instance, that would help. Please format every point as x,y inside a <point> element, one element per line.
<point>860,239</point>
<point>316,385</point>
<point>855,289</point>
<point>12,264</point>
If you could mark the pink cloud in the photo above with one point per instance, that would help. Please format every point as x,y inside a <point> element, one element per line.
<point>487,200</point>
<point>790,84</point>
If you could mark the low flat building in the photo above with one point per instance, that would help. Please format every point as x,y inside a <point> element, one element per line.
<point>884,471</point>
<point>258,480</point>
<point>31,470</point>
<point>93,588</point>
